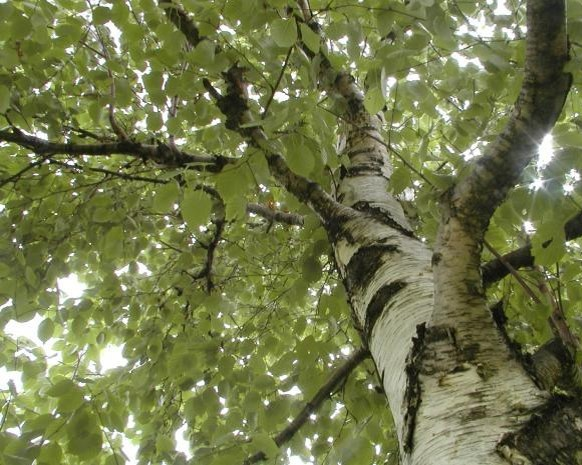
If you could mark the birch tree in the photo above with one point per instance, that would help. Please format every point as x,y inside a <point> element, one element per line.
<point>328,232</point>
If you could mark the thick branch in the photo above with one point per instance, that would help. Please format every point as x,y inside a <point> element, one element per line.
<point>160,153</point>
<point>544,90</point>
<point>239,118</point>
<point>334,381</point>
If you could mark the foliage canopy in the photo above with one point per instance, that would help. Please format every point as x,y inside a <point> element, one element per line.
<point>219,285</point>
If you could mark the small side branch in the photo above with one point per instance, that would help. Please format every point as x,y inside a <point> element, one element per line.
<point>182,21</point>
<point>15,177</point>
<point>497,269</point>
<point>332,384</point>
<point>292,219</point>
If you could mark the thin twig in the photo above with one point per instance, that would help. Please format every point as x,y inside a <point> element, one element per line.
<point>335,380</point>
<point>16,176</point>
<point>276,86</point>
<point>528,290</point>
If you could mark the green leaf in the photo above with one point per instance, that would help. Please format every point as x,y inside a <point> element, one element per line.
<point>548,243</point>
<point>196,207</point>
<point>21,26</point>
<point>85,447</point>
<point>155,121</point>
<point>46,329</point>
<point>61,388</point>
<point>113,243</point>
<point>311,269</point>
<point>203,54</point>
<point>374,100</point>
<point>103,215</point>
<point>299,155</point>
<point>50,453</point>
<point>4,98</point>
<point>264,443</point>
<point>284,32</point>
<point>115,459</point>
<point>166,196</point>
<point>310,38</point>
<point>164,444</point>
<point>101,15</point>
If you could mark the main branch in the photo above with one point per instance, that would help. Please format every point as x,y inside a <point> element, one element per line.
<point>544,90</point>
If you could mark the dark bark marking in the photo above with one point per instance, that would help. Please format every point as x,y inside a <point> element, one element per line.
<point>469,352</point>
<point>382,216</point>
<point>335,227</point>
<point>378,303</point>
<point>441,333</point>
<point>365,262</point>
<point>362,170</point>
<point>474,413</point>
<point>412,393</point>
<point>552,436</point>
<point>436,258</point>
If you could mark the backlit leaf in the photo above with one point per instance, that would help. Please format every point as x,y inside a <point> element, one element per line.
<point>284,32</point>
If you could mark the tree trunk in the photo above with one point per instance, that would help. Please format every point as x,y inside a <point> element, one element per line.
<point>457,392</point>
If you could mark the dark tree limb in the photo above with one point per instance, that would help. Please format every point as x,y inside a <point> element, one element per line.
<point>179,18</point>
<point>292,219</point>
<point>159,153</point>
<point>496,270</point>
<point>324,392</point>
<point>234,106</point>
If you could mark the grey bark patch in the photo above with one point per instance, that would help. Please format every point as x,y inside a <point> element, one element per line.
<point>552,436</point>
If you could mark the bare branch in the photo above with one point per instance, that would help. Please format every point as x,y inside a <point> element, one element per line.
<point>496,270</point>
<point>557,318</point>
<point>276,86</point>
<point>514,273</point>
<point>160,153</point>
<point>117,129</point>
<point>115,174</point>
<point>292,219</point>
<point>324,392</point>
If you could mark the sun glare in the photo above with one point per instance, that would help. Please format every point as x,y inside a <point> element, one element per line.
<point>546,151</point>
